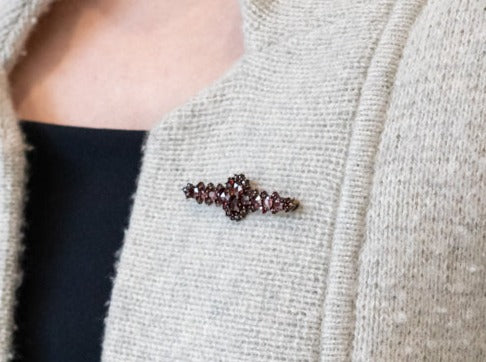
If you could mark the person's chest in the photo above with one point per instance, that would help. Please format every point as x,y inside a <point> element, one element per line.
<point>190,283</point>
<point>346,107</point>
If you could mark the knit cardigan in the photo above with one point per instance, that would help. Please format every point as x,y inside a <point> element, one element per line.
<point>372,114</point>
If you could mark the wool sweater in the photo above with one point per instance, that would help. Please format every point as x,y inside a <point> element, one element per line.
<point>372,114</point>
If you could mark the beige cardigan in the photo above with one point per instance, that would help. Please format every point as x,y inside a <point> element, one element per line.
<point>372,113</point>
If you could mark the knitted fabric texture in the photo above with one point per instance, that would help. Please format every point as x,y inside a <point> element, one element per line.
<point>370,113</point>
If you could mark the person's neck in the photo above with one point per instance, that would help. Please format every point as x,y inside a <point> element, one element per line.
<point>183,18</point>
<point>130,61</point>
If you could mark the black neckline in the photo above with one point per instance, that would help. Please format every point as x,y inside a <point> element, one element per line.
<point>68,127</point>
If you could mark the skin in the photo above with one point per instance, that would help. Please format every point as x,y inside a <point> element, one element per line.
<point>123,64</point>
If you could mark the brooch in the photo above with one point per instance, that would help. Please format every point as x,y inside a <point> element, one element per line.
<point>238,199</point>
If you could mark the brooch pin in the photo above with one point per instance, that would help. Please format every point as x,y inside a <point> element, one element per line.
<point>238,199</point>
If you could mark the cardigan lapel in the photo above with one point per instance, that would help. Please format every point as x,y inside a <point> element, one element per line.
<point>193,285</point>
<point>16,20</point>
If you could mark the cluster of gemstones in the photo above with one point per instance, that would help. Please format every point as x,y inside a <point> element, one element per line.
<point>238,199</point>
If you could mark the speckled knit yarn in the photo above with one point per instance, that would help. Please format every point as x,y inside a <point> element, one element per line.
<point>422,281</point>
<point>372,114</point>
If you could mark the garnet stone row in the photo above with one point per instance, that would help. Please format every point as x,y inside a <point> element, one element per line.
<point>238,199</point>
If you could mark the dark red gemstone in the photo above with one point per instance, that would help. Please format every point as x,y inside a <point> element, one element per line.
<point>234,204</point>
<point>245,199</point>
<point>200,192</point>
<point>265,200</point>
<point>225,196</point>
<point>256,201</point>
<point>219,192</point>
<point>245,184</point>
<point>210,192</point>
<point>188,190</point>
<point>238,189</point>
<point>267,204</point>
<point>277,203</point>
<point>212,195</point>
<point>292,205</point>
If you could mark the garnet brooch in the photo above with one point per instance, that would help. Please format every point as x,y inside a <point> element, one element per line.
<point>238,199</point>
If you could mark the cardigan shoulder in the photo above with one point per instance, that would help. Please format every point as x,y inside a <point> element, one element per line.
<point>423,256</point>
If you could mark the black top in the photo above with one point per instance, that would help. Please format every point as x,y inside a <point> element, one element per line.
<point>80,185</point>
